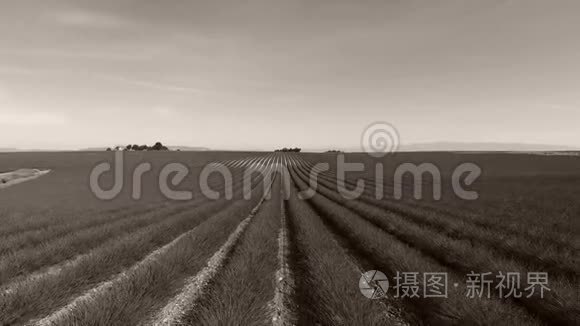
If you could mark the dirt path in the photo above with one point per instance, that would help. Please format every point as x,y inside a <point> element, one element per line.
<point>8,179</point>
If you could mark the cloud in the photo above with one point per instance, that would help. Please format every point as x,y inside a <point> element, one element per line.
<point>91,19</point>
<point>155,85</point>
<point>76,53</point>
<point>160,86</point>
<point>32,119</point>
<point>163,111</point>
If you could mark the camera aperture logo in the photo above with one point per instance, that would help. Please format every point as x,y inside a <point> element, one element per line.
<point>374,284</point>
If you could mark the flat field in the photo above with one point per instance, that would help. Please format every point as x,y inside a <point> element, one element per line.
<point>276,254</point>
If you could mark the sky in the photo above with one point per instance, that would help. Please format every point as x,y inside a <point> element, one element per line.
<point>249,74</point>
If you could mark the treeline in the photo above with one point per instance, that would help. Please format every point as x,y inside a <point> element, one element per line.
<point>157,147</point>
<point>295,149</point>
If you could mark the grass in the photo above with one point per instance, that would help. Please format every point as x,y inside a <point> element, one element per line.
<point>62,243</point>
<point>145,289</point>
<point>555,258</point>
<point>69,259</point>
<point>464,256</point>
<point>35,297</point>
<point>327,279</point>
<point>368,242</point>
<point>465,211</point>
<point>250,269</point>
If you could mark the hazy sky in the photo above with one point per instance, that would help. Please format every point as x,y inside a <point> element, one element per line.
<point>262,74</point>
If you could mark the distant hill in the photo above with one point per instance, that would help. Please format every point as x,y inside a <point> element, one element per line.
<point>93,149</point>
<point>484,147</point>
<point>188,148</point>
<point>15,150</point>
<point>466,147</point>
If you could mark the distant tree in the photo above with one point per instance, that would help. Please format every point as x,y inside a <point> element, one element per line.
<point>285,149</point>
<point>158,147</point>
